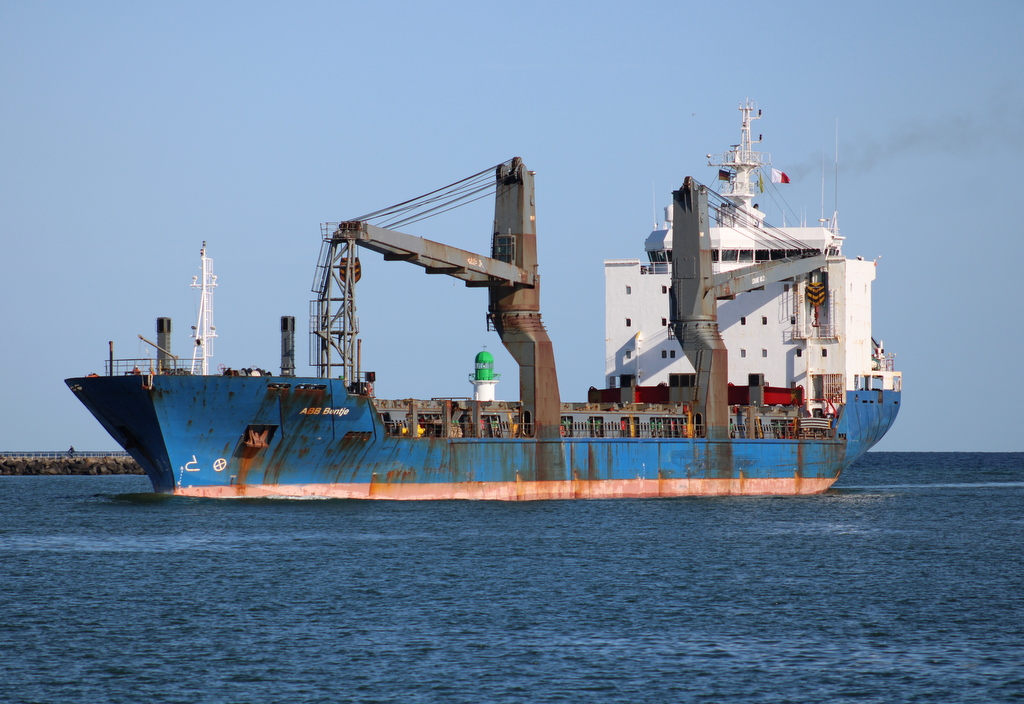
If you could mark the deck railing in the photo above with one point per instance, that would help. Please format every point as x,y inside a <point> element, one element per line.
<point>147,365</point>
<point>668,428</point>
<point>66,454</point>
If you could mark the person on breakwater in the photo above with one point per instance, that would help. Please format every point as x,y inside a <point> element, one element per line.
<point>71,451</point>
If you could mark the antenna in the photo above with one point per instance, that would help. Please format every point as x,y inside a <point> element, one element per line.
<point>836,197</point>
<point>822,218</point>
<point>654,205</point>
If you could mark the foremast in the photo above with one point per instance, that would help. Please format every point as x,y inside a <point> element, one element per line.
<point>204,332</point>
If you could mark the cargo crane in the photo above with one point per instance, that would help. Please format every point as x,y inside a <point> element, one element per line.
<point>694,300</point>
<point>510,273</point>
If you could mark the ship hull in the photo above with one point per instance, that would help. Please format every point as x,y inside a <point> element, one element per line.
<point>292,437</point>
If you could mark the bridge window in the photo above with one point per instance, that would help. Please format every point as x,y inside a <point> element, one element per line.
<point>746,255</point>
<point>730,255</point>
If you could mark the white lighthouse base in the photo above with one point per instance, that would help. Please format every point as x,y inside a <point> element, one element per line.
<point>483,389</point>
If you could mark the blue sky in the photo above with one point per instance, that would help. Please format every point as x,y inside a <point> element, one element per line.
<point>132,131</point>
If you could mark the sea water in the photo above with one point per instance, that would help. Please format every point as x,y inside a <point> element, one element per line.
<point>904,583</point>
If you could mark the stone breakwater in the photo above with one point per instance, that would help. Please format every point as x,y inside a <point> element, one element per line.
<point>69,465</point>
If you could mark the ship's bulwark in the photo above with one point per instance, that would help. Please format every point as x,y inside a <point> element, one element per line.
<point>274,436</point>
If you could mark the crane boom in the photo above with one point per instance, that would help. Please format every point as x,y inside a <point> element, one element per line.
<point>730,283</point>
<point>434,257</point>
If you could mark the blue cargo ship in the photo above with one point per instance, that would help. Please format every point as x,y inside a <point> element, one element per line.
<point>680,414</point>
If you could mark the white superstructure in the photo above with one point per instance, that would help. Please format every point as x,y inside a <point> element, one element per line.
<point>813,330</point>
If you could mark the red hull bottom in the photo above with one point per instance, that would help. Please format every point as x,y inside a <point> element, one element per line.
<point>523,491</point>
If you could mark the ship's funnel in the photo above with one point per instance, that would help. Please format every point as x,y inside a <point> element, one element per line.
<point>163,345</point>
<point>287,345</point>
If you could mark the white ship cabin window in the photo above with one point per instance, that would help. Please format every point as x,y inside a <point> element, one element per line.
<point>764,353</point>
<point>824,352</point>
<point>672,354</point>
<point>668,354</point>
<point>743,353</point>
<point>764,320</point>
<point>799,352</point>
<point>628,354</point>
<point>785,288</point>
<point>664,289</point>
<point>664,321</point>
<point>743,321</point>
<point>629,323</point>
<point>714,255</point>
<point>664,354</point>
<point>792,320</point>
<point>629,290</point>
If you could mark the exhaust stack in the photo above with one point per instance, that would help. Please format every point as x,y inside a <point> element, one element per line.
<point>287,345</point>
<point>164,357</point>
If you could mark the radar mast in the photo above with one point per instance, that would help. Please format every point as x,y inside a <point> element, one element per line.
<point>738,165</point>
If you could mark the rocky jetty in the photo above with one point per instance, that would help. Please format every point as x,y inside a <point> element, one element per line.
<point>69,465</point>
